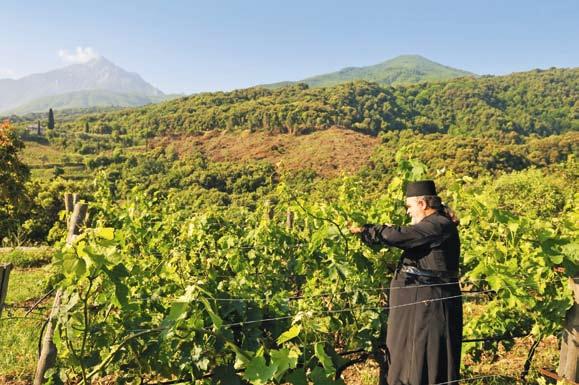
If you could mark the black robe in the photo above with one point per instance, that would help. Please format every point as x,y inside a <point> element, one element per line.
<point>423,340</point>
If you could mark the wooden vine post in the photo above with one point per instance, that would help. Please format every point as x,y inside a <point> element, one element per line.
<point>48,351</point>
<point>569,358</point>
<point>289,219</point>
<point>4,275</point>
<point>68,202</point>
<point>76,221</point>
<point>270,207</point>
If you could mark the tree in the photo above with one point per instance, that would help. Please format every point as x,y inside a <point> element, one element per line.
<point>50,119</point>
<point>13,176</point>
<point>58,171</point>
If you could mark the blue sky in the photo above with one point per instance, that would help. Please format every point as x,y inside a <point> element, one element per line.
<point>192,46</point>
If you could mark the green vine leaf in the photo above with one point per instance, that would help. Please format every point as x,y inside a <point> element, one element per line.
<point>325,360</point>
<point>291,333</point>
<point>258,372</point>
<point>284,360</point>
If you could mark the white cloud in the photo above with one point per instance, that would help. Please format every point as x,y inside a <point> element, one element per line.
<point>80,55</point>
<point>7,73</point>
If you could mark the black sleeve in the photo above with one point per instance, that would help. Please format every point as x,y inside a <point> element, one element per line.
<point>403,237</point>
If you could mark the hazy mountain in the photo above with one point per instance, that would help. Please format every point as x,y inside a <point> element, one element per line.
<point>97,74</point>
<point>401,69</point>
<point>88,99</point>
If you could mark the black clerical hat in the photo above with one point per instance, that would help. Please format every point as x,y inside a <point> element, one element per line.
<point>420,188</point>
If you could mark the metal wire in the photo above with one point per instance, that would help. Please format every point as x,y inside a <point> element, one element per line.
<point>325,294</point>
<point>324,312</point>
<point>467,379</point>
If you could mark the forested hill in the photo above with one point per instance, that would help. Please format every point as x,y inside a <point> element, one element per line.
<point>541,102</point>
<point>403,69</point>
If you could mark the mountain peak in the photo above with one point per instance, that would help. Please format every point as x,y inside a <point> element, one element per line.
<point>97,62</point>
<point>418,61</point>
<point>398,70</point>
<point>406,59</point>
<point>96,74</point>
<point>410,56</point>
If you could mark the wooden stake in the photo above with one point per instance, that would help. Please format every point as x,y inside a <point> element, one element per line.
<point>569,358</point>
<point>270,209</point>
<point>77,219</point>
<point>68,203</point>
<point>290,219</point>
<point>4,275</point>
<point>48,352</point>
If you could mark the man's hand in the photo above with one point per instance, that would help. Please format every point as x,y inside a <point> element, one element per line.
<point>355,229</point>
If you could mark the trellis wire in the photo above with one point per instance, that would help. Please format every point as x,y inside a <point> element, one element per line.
<point>323,312</point>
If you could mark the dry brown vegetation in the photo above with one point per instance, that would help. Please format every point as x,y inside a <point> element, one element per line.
<point>327,152</point>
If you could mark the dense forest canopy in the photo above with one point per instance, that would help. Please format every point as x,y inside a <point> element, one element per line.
<point>542,102</point>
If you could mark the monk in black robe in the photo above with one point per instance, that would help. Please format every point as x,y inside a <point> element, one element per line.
<point>424,332</point>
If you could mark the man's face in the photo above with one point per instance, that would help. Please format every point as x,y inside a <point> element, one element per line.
<point>415,207</point>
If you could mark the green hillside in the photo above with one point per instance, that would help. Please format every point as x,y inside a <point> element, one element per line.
<point>542,102</point>
<point>87,99</point>
<point>400,70</point>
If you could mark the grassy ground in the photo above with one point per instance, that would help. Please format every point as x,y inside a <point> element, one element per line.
<point>18,343</point>
<point>26,256</point>
<point>39,154</point>
<point>26,285</point>
<point>19,335</point>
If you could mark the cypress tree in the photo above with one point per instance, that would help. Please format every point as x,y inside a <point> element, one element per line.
<point>50,119</point>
